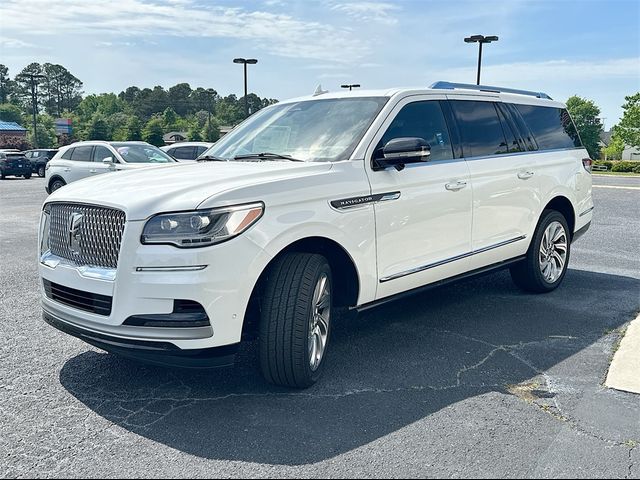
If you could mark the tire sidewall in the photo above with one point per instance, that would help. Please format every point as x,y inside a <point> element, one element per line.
<point>547,219</point>
<point>56,182</point>
<point>41,171</point>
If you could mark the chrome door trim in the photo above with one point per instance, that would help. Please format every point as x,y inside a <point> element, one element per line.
<point>449,260</point>
<point>353,202</point>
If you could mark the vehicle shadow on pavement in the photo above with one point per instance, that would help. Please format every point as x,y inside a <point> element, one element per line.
<point>388,368</point>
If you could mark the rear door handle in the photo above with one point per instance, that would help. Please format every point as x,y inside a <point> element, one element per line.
<point>525,175</point>
<point>454,187</point>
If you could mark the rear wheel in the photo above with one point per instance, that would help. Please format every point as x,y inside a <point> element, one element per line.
<point>295,324</point>
<point>41,171</point>
<point>548,256</point>
<point>27,176</point>
<point>56,184</point>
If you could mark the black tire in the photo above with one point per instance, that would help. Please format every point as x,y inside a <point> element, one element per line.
<point>2,177</point>
<point>287,306</point>
<point>41,171</point>
<point>528,274</point>
<point>27,176</point>
<point>56,184</point>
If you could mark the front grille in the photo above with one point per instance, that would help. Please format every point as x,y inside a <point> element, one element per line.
<point>87,301</point>
<point>97,236</point>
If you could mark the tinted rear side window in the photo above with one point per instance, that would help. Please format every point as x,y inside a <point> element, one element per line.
<point>480,128</point>
<point>67,155</point>
<point>182,153</point>
<point>552,127</point>
<point>82,154</point>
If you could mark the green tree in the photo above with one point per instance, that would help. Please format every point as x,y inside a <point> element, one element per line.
<point>6,84</point>
<point>211,131</point>
<point>46,128</point>
<point>629,127</point>
<point>98,129</point>
<point>195,134</point>
<point>27,82</point>
<point>134,129</point>
<point>614,150</point>
<point>169,119</point>
<point>586,115</point>
<point>10,113</point>
<point>153,132</point>
<point>179,97</point>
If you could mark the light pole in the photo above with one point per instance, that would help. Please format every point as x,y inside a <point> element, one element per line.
<point>481,39</point>
<point>245,62</point>
<point>34,100</point>
<point>350,86</point>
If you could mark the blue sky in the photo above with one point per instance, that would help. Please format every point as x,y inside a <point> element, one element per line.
<point>562,47</point>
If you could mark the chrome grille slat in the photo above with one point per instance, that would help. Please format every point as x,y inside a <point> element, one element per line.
<point>100,233</point>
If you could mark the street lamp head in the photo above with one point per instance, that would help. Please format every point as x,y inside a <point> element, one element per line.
<point>474,38</point>
<point>239,60</point>
<point>490,39</point>
<point>252,61</point>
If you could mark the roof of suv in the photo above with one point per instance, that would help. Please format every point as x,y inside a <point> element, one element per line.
<point>442,88</point>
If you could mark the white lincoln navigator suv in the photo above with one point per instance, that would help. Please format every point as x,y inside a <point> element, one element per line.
<point>310,206</point>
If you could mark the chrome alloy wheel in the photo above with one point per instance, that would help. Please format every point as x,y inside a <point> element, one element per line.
<point>553,252</point>
<point>319,321</point>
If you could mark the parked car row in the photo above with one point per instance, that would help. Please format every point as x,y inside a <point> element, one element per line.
<point>82,159</point>
<point>85,159</point>
<point>186,151</point>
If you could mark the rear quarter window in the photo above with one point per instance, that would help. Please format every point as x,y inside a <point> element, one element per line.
<point>552,127</point>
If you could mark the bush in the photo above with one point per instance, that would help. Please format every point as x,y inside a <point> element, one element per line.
<point>625,167</point>
<point>603,163</point>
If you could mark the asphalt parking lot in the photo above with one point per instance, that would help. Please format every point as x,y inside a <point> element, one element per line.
<point>474,379</point>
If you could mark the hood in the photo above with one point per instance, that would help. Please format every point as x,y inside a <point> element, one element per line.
<point>141,193</point>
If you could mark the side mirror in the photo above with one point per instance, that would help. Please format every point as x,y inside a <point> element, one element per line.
<point>400,151</point>
<point>109,161</point>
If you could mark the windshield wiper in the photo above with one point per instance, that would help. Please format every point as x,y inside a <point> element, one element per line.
<point>211,158</point>
<point>266,156</point>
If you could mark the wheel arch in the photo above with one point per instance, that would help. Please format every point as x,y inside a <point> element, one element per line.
<point>53,179</point>
<point>346,282</point>
<point>563,205</point>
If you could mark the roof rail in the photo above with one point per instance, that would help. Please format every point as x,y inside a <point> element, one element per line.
<point>487,88</point>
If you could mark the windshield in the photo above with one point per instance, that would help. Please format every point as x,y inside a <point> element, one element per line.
<point>140,153</point>
<point>312,130</point>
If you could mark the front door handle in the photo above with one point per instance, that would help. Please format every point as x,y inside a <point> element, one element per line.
<point>454,187</point>
<point>525,175</point>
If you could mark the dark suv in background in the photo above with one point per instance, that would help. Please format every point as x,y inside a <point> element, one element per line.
<point>15,164</point>
<point>39,159</point>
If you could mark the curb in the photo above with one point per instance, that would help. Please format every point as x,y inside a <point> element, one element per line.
<point>624,372</point>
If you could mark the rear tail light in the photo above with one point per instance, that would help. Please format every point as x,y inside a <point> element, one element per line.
<point>587,163</point>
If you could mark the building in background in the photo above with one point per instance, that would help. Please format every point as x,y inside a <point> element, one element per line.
<point>12,135</point>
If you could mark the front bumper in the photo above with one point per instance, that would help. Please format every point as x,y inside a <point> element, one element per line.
<point>153,352</point>
<point>147,281</point>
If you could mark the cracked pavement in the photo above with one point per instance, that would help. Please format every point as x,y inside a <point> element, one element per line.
<point>474,379</point>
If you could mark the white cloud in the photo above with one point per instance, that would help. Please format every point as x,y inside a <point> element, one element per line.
<point>380,12</point>
<point>6,42</point>
<point>279,34</point>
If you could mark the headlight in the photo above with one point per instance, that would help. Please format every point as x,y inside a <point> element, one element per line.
<point>201,228</point>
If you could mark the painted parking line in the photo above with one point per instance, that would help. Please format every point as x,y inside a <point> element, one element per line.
<point>616,186</point>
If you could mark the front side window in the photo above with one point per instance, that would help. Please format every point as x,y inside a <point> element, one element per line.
<point>480,128</point>
<point>552,127</point>
<point>313,130</point>
<point>423,120</point>
<point>82,154</point>
<point>141,153</point>
<point>100,153</point>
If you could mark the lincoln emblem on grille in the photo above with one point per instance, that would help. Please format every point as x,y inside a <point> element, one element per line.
<point>75,223</point>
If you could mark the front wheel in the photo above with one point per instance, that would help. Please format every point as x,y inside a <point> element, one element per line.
<point>41,171</point>
<point>295,324</point>
<point>547,259</point>
<point>56,185</point>
<point>27,176</point>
